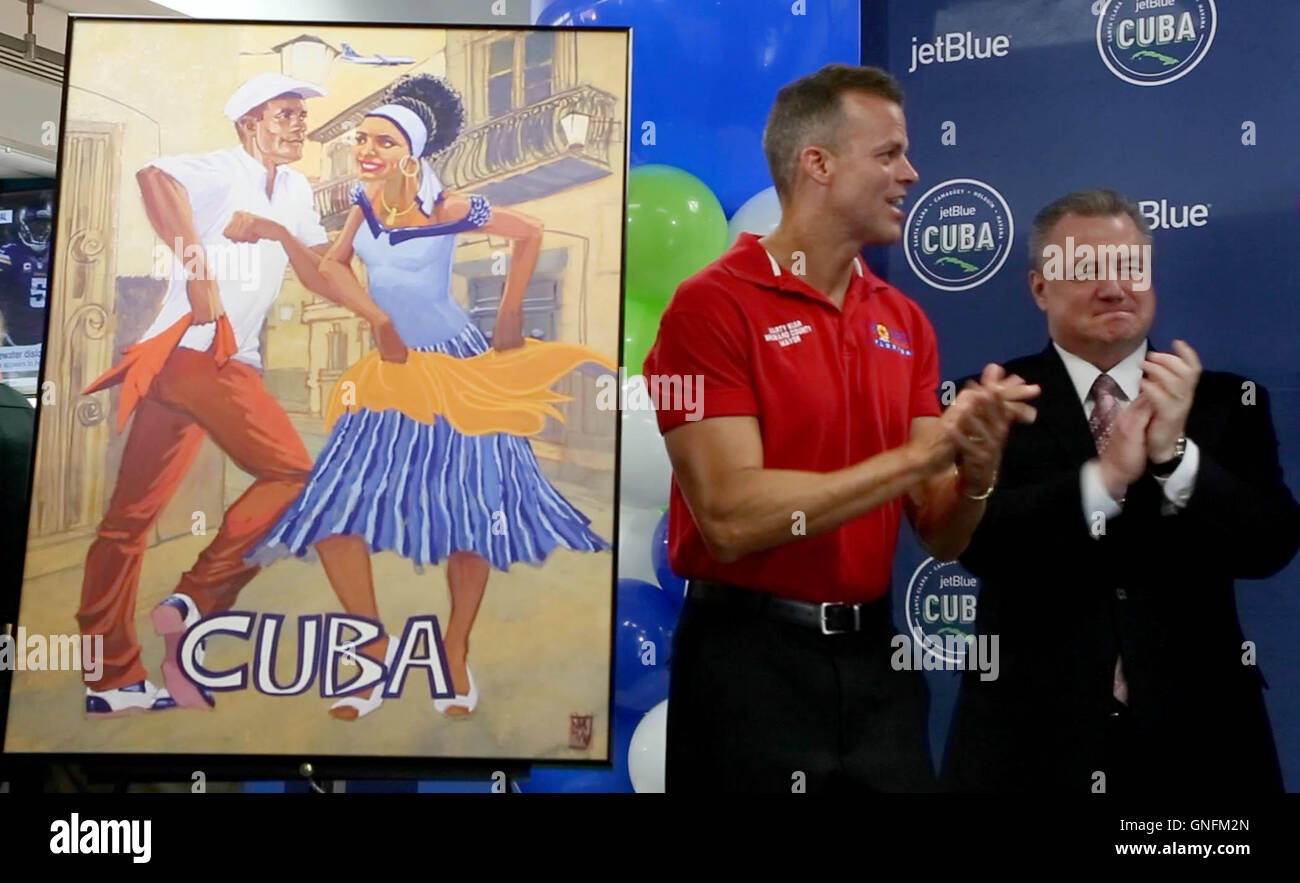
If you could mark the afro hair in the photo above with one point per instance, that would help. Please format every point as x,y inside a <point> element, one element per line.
<point>436,103</point>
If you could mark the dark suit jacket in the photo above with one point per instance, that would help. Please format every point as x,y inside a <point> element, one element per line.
<point>1157,588</point>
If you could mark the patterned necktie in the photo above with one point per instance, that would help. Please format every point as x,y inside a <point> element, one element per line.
<point>1106,397</point>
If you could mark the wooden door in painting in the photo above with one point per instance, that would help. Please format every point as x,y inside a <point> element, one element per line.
<point>69,482</point>
<point>78,450</point>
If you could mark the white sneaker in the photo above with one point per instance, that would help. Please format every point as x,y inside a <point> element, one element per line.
<point>140,696</point>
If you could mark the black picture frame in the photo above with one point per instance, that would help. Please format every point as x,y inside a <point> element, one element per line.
<point>140,766</point>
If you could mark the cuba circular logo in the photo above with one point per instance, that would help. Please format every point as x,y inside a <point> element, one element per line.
<point>940,608</point>
<point>1153,42</point>
<point>958,235</point>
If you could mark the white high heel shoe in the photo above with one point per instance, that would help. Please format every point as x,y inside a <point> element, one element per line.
<point>468,701</point>
<point>364,705</point>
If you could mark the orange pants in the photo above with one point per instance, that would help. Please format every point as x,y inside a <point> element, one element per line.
<point>190,397</point>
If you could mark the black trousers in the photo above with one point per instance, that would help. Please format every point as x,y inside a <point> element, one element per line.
<point>766,706</point>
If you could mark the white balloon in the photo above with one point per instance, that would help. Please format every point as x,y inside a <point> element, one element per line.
<point>760,214</point>
<point>646,755</point>
<point>645,474</point>
<point>636,530</point>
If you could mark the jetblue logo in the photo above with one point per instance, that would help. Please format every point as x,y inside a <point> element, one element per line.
<point>958,234</point>
<point>958,46</point>
<point>1161,215</point>
<point>1153,42</point>
<point>940,607</point>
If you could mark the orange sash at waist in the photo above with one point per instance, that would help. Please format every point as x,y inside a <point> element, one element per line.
<point>494,391</point>
<point>141,362</point>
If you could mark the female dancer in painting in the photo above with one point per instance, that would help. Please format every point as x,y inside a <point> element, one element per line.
<point>428,455</point>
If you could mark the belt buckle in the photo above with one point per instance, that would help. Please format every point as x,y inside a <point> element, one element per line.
<point>857,617</point>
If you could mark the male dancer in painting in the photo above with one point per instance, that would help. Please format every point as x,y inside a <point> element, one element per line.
<point>197,371</point>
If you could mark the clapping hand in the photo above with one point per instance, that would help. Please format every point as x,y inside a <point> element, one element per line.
<point>1169,383</point>
<point>977,423</point>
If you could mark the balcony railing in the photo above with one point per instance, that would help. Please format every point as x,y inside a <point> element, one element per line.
<point>523,138</point>
<point>496,157</point>
<point>332,200</point>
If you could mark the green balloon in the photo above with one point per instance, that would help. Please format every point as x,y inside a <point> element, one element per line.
<point>675,227</point>
<point>640,325</point>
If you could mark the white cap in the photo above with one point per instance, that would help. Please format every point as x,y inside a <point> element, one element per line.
<point>264,87</point>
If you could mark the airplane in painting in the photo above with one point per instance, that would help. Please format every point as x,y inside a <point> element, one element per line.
<point>350,54</point>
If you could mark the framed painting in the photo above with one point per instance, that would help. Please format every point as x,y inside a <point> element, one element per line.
<point>321,467</point>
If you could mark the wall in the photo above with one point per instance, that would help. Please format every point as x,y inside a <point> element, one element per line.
<point>1048,117</point>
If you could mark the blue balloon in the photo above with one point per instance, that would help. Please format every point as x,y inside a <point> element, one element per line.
<point>705,74</point>
<point>582,780</point>
<point>644,613</point>
<point>670,582</point>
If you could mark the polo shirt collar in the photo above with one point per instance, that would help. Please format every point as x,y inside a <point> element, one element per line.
<point>257,171</point>
<point>747,259</point>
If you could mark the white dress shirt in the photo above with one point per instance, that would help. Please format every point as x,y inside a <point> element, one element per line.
<point>1178,486</point>
<point>248,275</point>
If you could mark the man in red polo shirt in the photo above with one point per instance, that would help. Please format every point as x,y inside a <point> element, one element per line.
<point>819,426</point>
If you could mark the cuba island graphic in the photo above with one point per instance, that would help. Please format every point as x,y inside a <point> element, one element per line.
<point>963,266</point>
<point>1166,60</point>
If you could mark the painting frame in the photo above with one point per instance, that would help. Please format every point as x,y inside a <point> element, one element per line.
<point>139,764</point>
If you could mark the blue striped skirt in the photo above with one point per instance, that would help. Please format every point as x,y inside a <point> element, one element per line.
<point>426,491</point>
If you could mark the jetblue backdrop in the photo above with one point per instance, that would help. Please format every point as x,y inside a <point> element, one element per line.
<point>1191,107</point>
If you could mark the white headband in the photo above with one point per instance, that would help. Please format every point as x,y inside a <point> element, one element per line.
<point>406,120</point>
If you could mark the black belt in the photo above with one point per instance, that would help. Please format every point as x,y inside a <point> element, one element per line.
<point>830,617</point>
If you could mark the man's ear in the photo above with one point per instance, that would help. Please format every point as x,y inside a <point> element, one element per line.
<point>816,162</point>
<point>1036,288</point>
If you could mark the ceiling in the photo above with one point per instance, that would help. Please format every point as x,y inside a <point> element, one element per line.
<point>30,100</point>
<point>108,7</point>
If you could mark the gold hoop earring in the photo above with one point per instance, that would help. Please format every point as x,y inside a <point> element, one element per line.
<point>401,166</point>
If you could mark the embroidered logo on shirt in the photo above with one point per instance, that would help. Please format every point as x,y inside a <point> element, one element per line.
<point>787,334</point>
<point>898,341</point>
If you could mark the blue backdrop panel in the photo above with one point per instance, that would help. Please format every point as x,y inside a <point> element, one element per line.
<point>704,72</point>
<point>1047,115</point>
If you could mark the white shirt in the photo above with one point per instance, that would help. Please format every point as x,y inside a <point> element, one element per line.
<point>248,275</point>
<point>1128,374</point>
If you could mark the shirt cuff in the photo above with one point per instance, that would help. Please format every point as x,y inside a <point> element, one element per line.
<point>1180,483</point>
<point>1095,496</point>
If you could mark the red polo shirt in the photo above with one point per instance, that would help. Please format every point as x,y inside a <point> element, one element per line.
<point>829,388</point>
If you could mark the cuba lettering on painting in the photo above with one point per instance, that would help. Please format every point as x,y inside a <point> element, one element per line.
<point>321,464</point>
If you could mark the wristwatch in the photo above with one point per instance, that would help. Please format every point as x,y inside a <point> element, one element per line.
<point>1166,469</point>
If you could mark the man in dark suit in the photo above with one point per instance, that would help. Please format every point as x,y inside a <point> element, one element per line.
<point>1109,548</point>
